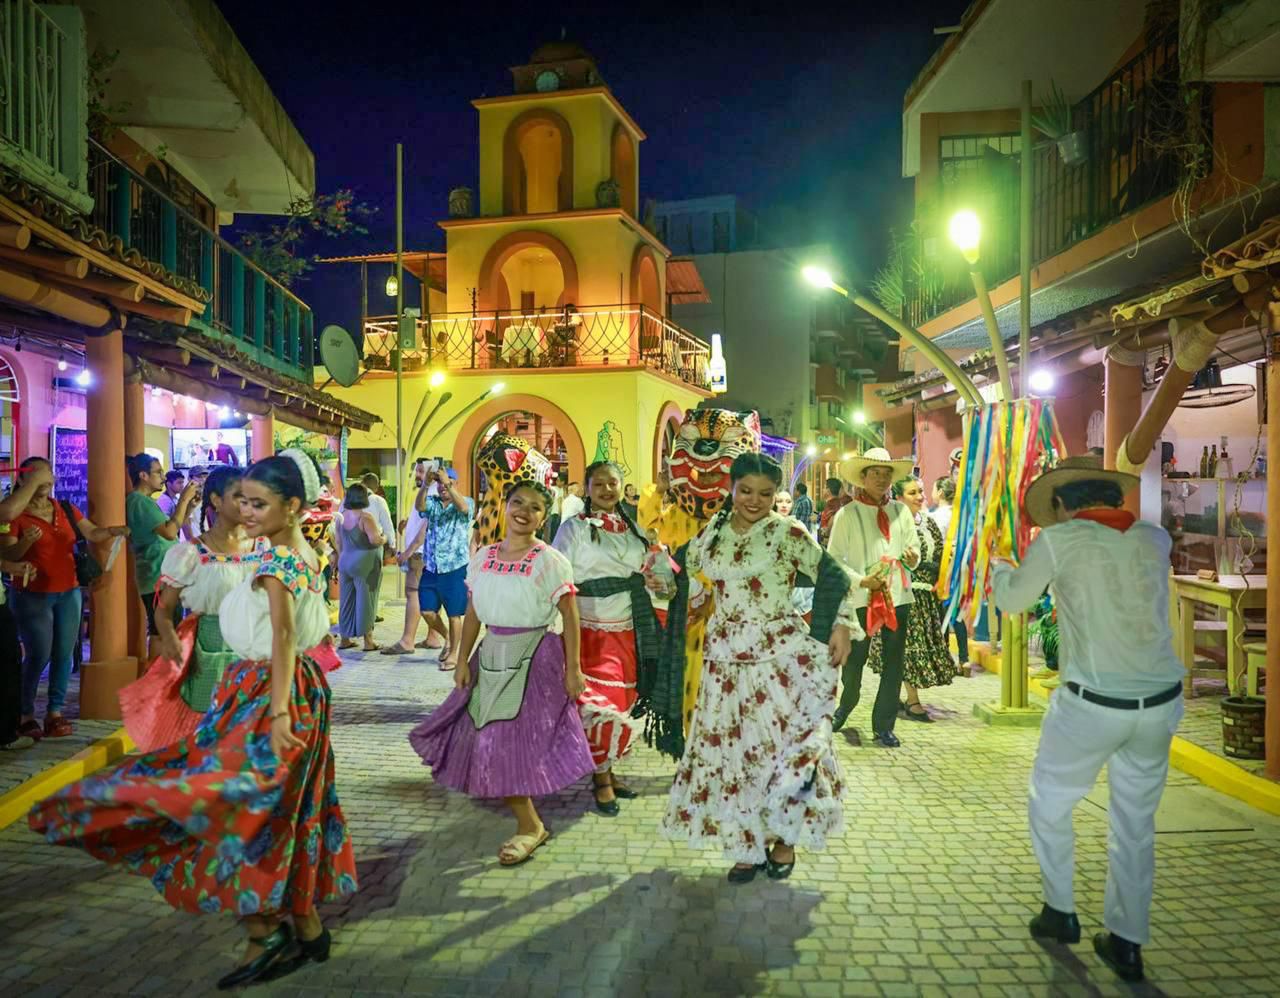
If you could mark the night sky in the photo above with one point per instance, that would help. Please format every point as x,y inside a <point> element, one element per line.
<point>795,111</point>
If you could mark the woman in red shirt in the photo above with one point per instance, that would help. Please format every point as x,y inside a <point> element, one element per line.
<point>42,533</point>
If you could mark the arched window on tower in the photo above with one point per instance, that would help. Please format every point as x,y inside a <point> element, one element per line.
<point>623,167</point>
<point>538,164</point>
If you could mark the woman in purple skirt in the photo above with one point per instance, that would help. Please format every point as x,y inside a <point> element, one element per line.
<point>511,728</point>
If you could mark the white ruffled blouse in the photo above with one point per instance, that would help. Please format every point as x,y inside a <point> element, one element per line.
<point>204,577</point>
<point>524,593</point>
<point>245,616</point>
<point>617,552</point>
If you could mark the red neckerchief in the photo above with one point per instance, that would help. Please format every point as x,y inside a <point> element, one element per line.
<point>1116,519</point>
<point>882,517</point>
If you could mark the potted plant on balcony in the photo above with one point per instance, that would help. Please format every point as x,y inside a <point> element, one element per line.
<point>462,202</point>
<point>1055,121</point>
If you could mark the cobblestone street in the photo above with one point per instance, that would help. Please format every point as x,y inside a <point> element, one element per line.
<point>927,891</point>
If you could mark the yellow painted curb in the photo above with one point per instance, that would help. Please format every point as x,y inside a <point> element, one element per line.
<point>18,801</point>
<point>1187,757</point>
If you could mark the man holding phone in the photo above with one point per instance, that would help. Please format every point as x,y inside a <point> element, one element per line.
<point>447,515</point>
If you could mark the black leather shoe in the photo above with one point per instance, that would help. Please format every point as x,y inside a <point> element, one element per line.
<point>1059,926</point>
<point>272,946</point>
<point>1122,956</point>
<point>921,715</point>
<point>609,808</point>
<point>887,739</point>
<point>778,871</point>
<point>839,718</point>
<point>305,951</point>
<point>745,875</point>
<point>624,792</point>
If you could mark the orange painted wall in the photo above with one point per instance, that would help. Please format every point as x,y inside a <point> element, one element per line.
<point>1079,396</point>
<point>938,432</point>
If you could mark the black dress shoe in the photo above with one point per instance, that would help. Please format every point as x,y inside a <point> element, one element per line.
<point>1122,956</point>
<point>305,951</point>
<point>920,715</point>
<point>839,718</point>
<point>745,875</point>
<point>623,792</point>
<point>609,808</point>
<point>1059,926</point>
<point>778,871</point>
<point>887,739</point>
<point>272,946</point>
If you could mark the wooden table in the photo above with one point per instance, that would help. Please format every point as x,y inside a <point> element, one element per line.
<point>1233,593</point>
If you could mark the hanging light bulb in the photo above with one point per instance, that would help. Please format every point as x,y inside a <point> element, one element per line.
<point>84,379</point>
<point>393,286</point>
<point>62,361</point>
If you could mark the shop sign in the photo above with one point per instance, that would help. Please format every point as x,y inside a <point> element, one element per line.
<point>827,438</point>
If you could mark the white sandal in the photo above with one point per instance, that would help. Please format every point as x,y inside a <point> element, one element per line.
<point>519,848</point>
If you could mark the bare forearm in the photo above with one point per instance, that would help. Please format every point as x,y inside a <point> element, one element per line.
<point>283,660</point>
<point>470,631</point>
<point>572,633</point>
<point>18,501</point>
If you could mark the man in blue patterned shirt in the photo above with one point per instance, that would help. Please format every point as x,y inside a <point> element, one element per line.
<point>447,515</point>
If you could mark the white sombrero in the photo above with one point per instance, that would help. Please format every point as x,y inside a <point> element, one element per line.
<point>1086,468</point>
<point>877,457</point>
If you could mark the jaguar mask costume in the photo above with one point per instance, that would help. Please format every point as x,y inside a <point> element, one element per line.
<point>504,460</point>
<point>698,474</point>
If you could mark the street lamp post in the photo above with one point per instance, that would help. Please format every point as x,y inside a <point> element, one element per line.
<point>966,233</point>
<point>950,369</point>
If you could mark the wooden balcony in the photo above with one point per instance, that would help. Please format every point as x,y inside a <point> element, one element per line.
<point>262,317</point>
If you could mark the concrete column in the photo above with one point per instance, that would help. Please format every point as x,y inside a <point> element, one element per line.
<point>1272,721</point>
<point>110,666</point>
<point>264,436</point>
<point>135,437</point>
<point>1121,407</point>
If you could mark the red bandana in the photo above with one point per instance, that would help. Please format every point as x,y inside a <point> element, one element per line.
<point>882,517</point>
<point>1116,519</point>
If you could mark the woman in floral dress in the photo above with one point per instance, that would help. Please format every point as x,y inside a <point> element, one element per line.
<point>614,572</point>
<point>759,776</point>
<point>928,660</point>
<point>243,815</point>
<point>168,701</point>
<point>511,728</point>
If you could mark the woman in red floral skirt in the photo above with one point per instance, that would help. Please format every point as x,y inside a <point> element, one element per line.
<point>243,815</point>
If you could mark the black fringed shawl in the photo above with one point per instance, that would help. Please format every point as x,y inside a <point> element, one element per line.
<point>660,689</point>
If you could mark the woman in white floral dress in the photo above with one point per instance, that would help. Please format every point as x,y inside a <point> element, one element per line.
<point>759,776</point>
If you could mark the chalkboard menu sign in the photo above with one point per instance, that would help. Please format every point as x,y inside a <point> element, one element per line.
<point>70,450</point>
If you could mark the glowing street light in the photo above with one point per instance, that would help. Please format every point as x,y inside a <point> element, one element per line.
<point>497,387</point>
<point>393,286</point>
<point>965,231</point>
<point>811,450</point>
<point>436,379</point>
<point>1041,381</point>
<point>859,417</point>
<point>818,277</point>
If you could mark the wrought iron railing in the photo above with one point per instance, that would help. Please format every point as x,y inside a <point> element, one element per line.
<point>601,336</point>
<point>1131,123</point>
<point>43,97</point>
<point>248,305</point>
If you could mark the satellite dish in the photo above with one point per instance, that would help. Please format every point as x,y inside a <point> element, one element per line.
<point>338,352</point>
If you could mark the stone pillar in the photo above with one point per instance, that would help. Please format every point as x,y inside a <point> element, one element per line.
<point>135,436</point>
<point>110,665</point>
<point>264,436</point>
<point>1272,721</point>
<point>1122,405</point>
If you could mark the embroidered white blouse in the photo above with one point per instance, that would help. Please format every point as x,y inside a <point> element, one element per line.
<point>524,593</point>
<point>203,577</point>
<point>618,552</point>
<point>245,616</point>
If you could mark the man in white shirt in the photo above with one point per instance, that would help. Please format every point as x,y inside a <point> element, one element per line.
<point>382,516</point>
<point>876,540</point>
<point>1120,699</point>
<point>410,559</point>
<point>572,503</point>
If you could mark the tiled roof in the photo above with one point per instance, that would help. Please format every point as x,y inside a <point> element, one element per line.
<point>47,209</point>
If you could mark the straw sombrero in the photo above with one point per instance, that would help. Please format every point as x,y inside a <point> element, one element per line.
<point>1086,468</point>
<point>852,468</point>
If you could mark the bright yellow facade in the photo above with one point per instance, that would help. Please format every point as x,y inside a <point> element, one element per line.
<point>553,290</point>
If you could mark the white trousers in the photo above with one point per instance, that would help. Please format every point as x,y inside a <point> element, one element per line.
<point>1076,740</point>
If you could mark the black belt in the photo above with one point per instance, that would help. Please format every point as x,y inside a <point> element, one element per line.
<point>1171,693</point>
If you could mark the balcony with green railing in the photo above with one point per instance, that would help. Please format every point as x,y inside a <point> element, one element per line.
<point>1129,126</point>
<point>248,308</point>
